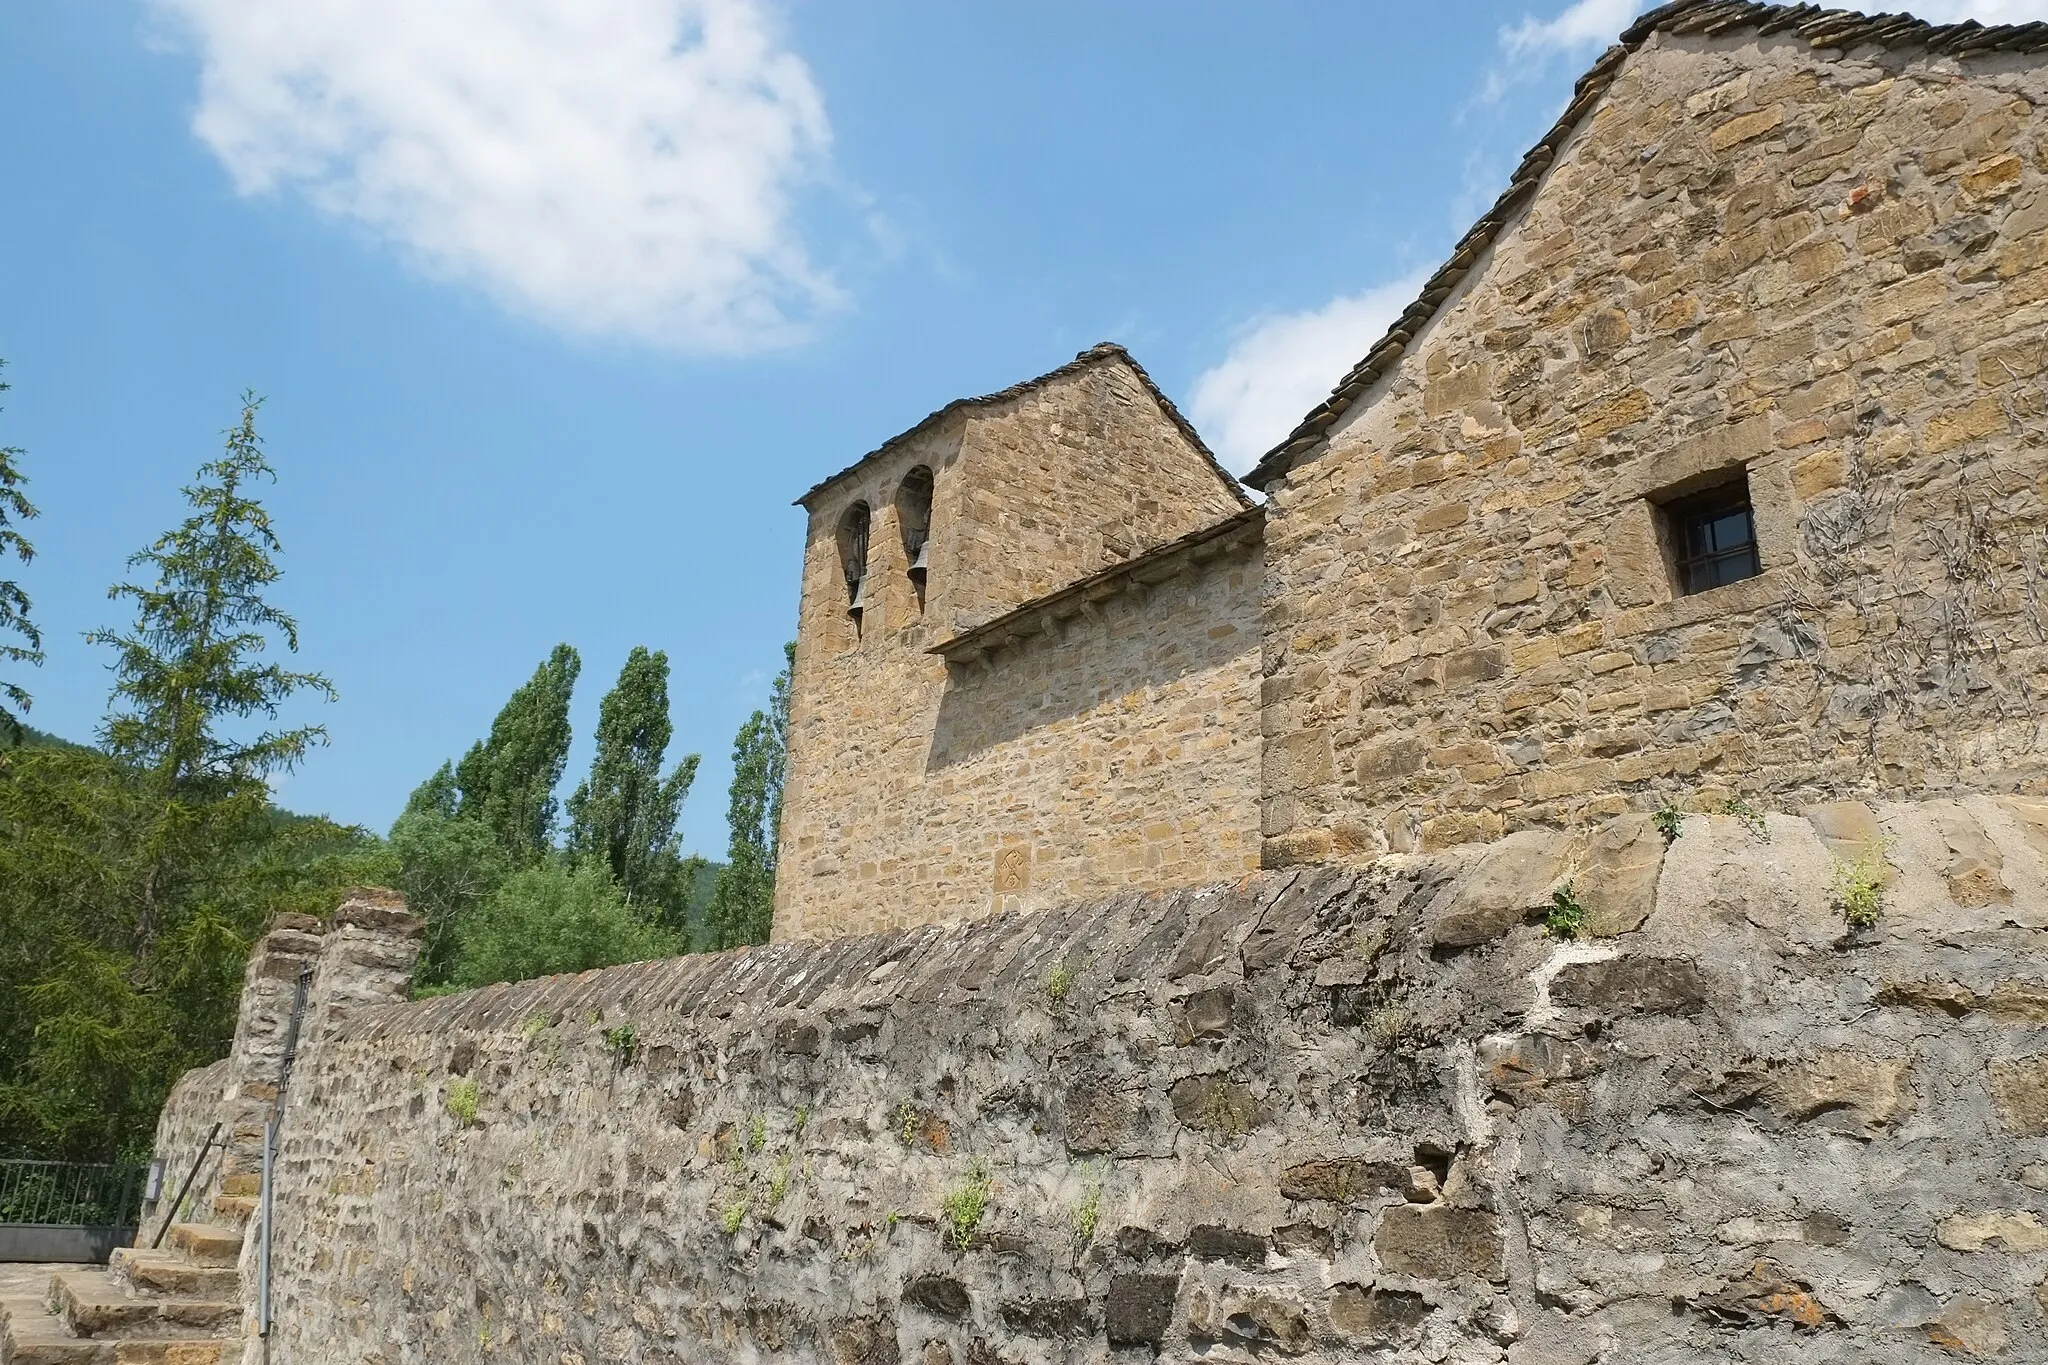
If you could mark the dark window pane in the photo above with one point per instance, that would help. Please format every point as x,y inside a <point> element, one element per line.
<point>1714,538</point>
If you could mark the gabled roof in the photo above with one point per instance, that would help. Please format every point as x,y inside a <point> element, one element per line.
<point>1821,28</point>
<point>1094,355</point>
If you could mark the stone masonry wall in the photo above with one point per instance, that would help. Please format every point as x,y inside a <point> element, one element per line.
<point>1118,752</point>
<point>1827,268</point>
<point>1364,1110</point>
<point>1080,472</point>
<point>190,1111</point>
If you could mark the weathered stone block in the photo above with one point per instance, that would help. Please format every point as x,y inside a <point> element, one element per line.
<point>1343,1180</point>
<point>1510,882</point>
<point>1617,881</point>
<point>1377,1314</point>
<point>2019,1232</point>
<point>1623,985</point>
<point>1138,1309</point>
<point>1210,1242</point>
<point>940,1294</point>
<point>2019,1090</point>
<point>1844,1089</point>
<point>1257,1319</point>
<point>1432,1242</point>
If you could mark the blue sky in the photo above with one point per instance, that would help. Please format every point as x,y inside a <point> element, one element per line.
<point>556,305</point>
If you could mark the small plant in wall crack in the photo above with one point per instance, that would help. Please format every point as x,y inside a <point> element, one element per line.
<point>462,1100</point>
<point>965,1205</point>
<point>1088,1213</point>
<point>1669,821</point>
<point>1752,819</point>
<point>1566,917</point>
<point>1058,982</point>
<point>622,1042</point>
<point>908,1121</point>
<point>1859,888</point>
<point>732,1216</point>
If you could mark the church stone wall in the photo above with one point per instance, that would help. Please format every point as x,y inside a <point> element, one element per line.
<point>1357,1111</point>
<point>1076,473</point>
<point>1829,269</point>
<point>1118,751</point>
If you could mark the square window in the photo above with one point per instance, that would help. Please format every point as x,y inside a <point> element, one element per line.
<point>1711,536</point>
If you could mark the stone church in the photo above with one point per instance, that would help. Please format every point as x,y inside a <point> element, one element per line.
<point>1559,878</point>
<point>1708,466</point>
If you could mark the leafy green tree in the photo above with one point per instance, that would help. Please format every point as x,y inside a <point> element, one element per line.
<point>552,917</point>
<point>15,508</point>
<point>448,866</point>
<point>509,779</point>
<point>743,908</point>
<point>623,816</point>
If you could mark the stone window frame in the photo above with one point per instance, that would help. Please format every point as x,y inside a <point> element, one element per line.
<point>1642,577</point>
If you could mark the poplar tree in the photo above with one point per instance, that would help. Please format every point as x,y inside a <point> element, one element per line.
<point>623,816</point>
<point>15,508</point>
<point>743,906</point>
<point>508,780</point>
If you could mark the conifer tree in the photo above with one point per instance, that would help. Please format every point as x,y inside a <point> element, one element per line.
<point>623,816</point>
<point>190,668</point>
<point>14,604</point>
<point>743,906</point>
<point>190,661</point>
<point>508,780</point>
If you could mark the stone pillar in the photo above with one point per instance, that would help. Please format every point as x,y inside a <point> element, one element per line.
<point>367,958</point>
<point>262,1026</point>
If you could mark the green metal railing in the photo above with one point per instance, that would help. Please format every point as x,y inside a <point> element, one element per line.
<point>69,1193</point>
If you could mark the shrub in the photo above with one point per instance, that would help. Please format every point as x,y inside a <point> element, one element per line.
<point>551,918</point>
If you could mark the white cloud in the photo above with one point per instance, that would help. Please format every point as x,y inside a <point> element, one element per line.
<point>624,168</point>
<point>1587,23</point>
<point>1282,366</point>
<point>1590,24</point>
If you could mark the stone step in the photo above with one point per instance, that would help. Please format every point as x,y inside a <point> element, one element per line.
<point>92,1305</point>
<point>29,1335</point>
<point>234,1210</point>
<point>167,1272</point>
<point>207,1243</point>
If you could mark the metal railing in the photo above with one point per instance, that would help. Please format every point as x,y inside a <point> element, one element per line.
<point>69,1194</point>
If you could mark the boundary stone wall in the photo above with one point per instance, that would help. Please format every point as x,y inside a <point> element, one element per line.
<point>1323,1114</point>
